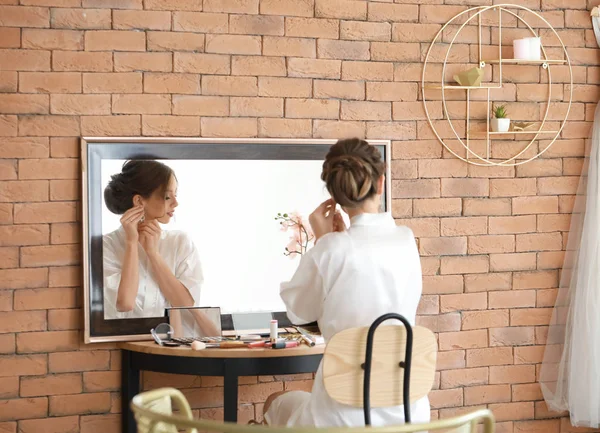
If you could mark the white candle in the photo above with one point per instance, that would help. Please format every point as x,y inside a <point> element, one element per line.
<point>521,48</point>
<point>535,45</point>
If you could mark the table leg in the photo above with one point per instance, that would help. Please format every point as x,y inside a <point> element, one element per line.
<point>130,385</point>
<point>230,393</point>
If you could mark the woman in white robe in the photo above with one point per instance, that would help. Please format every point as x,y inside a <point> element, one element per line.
<point>147,270</point>
<point>348,279</point>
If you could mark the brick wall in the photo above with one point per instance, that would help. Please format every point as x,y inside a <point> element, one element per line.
<point>491,238</point>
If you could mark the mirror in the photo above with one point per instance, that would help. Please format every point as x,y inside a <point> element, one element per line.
<point>227,228</point>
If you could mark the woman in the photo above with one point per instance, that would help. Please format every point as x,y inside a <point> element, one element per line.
<point>348,279</point>
<point>145,269</point>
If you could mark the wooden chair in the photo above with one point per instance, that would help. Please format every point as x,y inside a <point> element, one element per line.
<point>152,411</point>
<point>351,376</point>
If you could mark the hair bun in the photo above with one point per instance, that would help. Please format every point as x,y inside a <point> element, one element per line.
<point>351,171</point>
<point>115,195</point>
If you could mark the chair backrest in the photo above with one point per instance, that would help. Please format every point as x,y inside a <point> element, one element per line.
<point>153,418</point>
<point>343,370</point>
<point>159,402</point>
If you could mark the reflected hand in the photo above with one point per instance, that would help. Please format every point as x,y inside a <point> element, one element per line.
<point>149,233</point>
<point>322,219</point>
<point>338,222</point>
<point>130,221</point>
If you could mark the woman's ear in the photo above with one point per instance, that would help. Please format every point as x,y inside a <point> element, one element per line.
<point>137,200</point>
<point>380,184</point>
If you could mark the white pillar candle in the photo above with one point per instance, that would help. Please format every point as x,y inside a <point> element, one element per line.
<point>521,49</point>
<point>535,45</point>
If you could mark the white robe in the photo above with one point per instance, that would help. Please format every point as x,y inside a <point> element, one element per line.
<point>348,280</point>
<point>179,253</point>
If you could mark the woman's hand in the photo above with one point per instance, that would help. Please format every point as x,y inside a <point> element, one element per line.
<point>338,222</point>
<point>149,233</point>
<point>130,221</point>
<point>322,219</point>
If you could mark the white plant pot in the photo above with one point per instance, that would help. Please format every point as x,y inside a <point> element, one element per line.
<point>500,125</point>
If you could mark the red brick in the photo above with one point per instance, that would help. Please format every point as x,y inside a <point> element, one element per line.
<point>437,207</point>
<point>202,63</point>
<point>314,68</point>
<point>463,340</point>
<point>171,41</point>
<point>125,82</point>
<point>113,4</point>
<point>58,341</point>
<point>51,385</point>
<point>63,362</point>
<point>312,108</point>
<point>312,28</point>
<point>225,127</point>
<point>80,104</point>
<point>527,392</point>
<point>23,235</point>
<point>512,262</point>
<point>52,39</point>
<point>9,257</point>
<point>393,12</point>
<point>233,44</point>
<point>255,65</point>
<point>9,388</point>
<point>484,319</point>
<point>24,408</point>
<point>232,6</point>
<point>22,321</point>
<point>465,265</point>
<point>8,81</point>
<point>232,86</point>
<point>6,304</point>
<point>95,381</point>
<point>491,244</point>
<point>111,125</point>
<point>357,30</point>
<point>115,40</point>
<point>81,18</point>
<point>171,83</point>
<point>8,126</point>
<point>23,191</point>
<point>484,206</point>
<point>23,365</point>
<point>256,107</point>
<point>200,22</point>
<point>487,394</point>
<point>359,110</point>
<point>7,341</point>
<point>23,278</point>
<point>489,356</point>
<point>395,51</point>
<point>370,71</point>
<point>284,128</point>
<point>512,411</point>
<point>530,316</point>
<point>465,187</point>
<point>82,61</point>
<point>517,336</point>
<point>529,355</point>
<point>256,25</point>
<point>512,299</point>
<point>463,302</point>
<point>64,190</point>
<point>145,20</point>
<point>493,281</point>
<point>50,425</point>
<point>340,49</point>
<point>446,398</point>
<point>285,87</point>
<point>509,225</point>
<point>51,255</point>
<point>25,60</point>
<point>550,260</point>
<point>334,128</point>
<point>87,403</point>
<point>20,16</point>
<point>41,299</point>
<point>462,377</point>
<point>141,104</point>
<point>60,320</point>
<point>10,37</point>
<point>157,62</point>
<point>343,9</point>
<point>100,423</point>
<point>200,105</point>
<point>512,374</point>
<point>170,125</point>
<point>550,223</point>
<point>464,226</point>
<point>49,82</point>
<point>301,8</point>
<point>429,305</point>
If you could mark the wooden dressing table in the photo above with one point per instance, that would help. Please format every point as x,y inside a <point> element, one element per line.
<point>229,363</point>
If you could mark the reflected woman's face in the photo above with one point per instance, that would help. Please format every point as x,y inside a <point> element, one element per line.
<point>161,207</point>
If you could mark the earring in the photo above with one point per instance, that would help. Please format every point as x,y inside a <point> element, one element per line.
<point>143,218</point>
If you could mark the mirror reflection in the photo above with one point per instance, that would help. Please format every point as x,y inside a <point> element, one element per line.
<point>220,233</point>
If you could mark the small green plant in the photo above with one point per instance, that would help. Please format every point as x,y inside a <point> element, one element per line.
<point>499,111</point>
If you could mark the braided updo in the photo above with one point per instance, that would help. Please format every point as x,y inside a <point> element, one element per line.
<point>139,176</point>
<point>351,171</point>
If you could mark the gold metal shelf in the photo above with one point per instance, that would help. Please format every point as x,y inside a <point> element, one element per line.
<point>526,62</point>
<point>456,87</point>
<point>474,134</point>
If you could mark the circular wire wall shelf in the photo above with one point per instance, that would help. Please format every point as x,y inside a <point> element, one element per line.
<point>461,21</point>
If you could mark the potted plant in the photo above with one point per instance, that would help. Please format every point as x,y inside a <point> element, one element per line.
<point>500,123</point>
